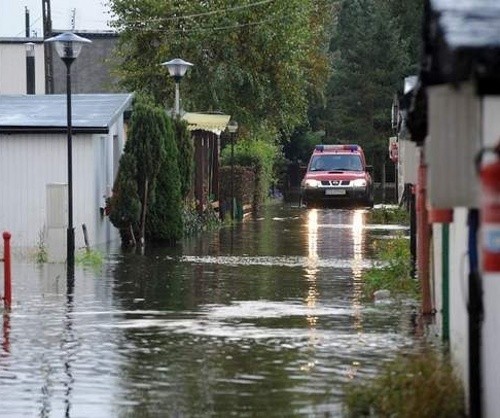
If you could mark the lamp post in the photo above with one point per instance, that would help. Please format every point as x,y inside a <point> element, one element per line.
<point>177,68</point>
<point>68,47</point>
<point>232,128</point>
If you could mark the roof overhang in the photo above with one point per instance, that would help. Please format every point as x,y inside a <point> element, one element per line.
<point>51,130</point>
<point>91,113</point>
<point>462,42</point>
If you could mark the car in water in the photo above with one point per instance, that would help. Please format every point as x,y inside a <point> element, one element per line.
<point>337,174</point>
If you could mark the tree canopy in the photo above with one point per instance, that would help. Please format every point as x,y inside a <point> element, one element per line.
<point>259,61</point>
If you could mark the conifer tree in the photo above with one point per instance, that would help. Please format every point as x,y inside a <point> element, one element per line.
<point>164,221</point>
<point>124,205</point>
<point>185,147</point>
<point>145,143</point>
<point>369,60</point>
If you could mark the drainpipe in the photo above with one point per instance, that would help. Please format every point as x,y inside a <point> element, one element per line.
<point>446,282</point>
<point>30,67</point>
<point>475,309</point>
<point>423,238</point>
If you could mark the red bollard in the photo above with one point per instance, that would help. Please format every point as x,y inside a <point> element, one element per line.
<point>7,299</point>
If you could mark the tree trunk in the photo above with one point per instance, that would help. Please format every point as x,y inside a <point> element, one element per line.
<point>142,225</point>
<point>132,235</point>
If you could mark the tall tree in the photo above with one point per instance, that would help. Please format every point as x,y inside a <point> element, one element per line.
<point>164,221</point>
<point>258,60</point>
<point>124,205</point>
<point>185,147</point>
<point>145,143</point>
<point>369,60</point>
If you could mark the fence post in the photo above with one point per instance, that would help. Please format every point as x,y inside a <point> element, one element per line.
<point>7,298</point>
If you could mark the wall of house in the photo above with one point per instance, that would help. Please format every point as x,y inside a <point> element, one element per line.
<point>407,164</point>
<point>31,162</point>
<point>92,72</point>
<point>459,270</point>
<point>491,284</point>
<point>13,67</point>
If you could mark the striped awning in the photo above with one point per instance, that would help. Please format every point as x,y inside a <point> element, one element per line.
<point>212,122</point>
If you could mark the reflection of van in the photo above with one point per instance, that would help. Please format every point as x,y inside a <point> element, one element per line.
<point>337,174</point>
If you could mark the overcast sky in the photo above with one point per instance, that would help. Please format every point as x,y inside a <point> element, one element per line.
<point>89,15</point>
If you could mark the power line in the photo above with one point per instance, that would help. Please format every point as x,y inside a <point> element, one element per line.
<point>212,12</point>
<point>206,29</point>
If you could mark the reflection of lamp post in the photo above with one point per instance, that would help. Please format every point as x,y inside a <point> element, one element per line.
<point>232,127</point>
<point>68,47</point>
<point>30,67</point>
<point>177,68</point>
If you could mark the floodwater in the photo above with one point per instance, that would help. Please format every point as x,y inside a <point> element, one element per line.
<point>264,319</point>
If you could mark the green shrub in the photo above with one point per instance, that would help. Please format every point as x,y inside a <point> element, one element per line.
<point>41,255</point>
<point>388,215</point>
<point>260,153</point>
<point>420,385</point>
<point>395,271</point>
<point>194,222</point>
<point>164,220</point>
<point>89,258</point>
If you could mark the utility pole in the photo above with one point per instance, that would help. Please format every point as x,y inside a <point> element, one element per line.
<point>27,21</point>
<point>47,33</point>
<point>73,19</point>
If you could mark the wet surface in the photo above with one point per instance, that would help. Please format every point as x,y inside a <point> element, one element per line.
<point>264,319</point>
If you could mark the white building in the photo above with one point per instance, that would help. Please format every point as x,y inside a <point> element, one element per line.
<point>14,65</point>
<point>454,115</point>
<point>33,166</point>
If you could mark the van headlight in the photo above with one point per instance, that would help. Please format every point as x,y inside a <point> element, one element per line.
<point>311,184</point>
<point>359,183</point>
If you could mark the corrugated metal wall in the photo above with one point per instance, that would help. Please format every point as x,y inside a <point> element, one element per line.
<point>28,163</point>
<point>13,68</point>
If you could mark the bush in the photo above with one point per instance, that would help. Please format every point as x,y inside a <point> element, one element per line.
<point>388,215</point>
<point>90,258</point>
<point>193,222</point>
<point>164,220</point>
<point>260,156</point>
<point>420,385</point>
<point>395,273</point>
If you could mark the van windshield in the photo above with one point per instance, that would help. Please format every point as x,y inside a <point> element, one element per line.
<point>336,162</point>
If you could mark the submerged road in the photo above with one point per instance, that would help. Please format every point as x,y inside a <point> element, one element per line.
<point>263,319</point>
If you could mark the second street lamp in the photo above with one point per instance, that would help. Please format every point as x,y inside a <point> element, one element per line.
<point>177,68</point>
<point>68,47</point>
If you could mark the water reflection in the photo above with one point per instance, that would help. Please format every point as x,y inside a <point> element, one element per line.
<point>311,270</point>
<point>6,333</point>
<point>68,347</point>
<point>357,292</point>
<point>263,319</point>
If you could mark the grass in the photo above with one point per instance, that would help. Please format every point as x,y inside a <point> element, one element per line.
<point>395,273</point>
<point>388,215</point>
<point>420,385</point>
<point>41,254</point>
<point>89,258</point>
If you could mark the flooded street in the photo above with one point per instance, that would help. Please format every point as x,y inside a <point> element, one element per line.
<point>265,319</point>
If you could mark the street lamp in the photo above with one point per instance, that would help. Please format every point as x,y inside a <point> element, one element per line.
<point>68,47</point>
<point>232,128</point>
<point>177,68</point>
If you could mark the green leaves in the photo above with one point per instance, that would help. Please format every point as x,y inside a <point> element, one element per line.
<point>256,60</point>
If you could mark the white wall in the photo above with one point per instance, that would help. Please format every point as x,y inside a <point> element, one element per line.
<point>459,270</point>
<point>13,68</point>
<point>27,164</point>
<point>453,142</point>
<point>491,287</point>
